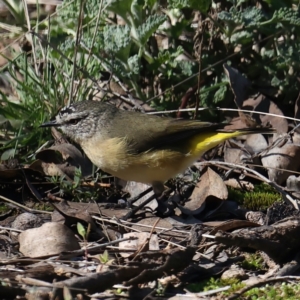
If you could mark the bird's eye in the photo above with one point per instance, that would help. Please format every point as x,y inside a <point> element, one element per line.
<point>73,121</point>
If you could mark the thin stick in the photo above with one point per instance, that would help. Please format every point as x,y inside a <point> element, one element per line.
<point>222,109</point>
<point>11,229</point>
<point>81,252</point>
<point>24,207</point>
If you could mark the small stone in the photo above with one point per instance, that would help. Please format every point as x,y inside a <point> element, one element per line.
<point>234,272</point>
<point>26,221</point>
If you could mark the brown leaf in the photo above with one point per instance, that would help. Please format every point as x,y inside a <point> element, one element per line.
<point>139,243</point>
<point>293,183</point>
<point>73,215</point>
<point>231,154</point>
<point>92,209</point>
<point>49,156</point>
<point>70,154</point>
<point>49,239</point>
<point>244,99</point>
<point>255,143</point>
<point>210,185</point>
<point>239,85</point>
<point>235,123</point>
<point>52,169</point>
<point>163,226</point>
<point>285,156</point>
<point>239,184</point>
<point>264,105</point>
<point>150,222</point>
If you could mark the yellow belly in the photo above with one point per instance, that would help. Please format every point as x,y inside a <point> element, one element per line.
<point>153,165</point>
<point>148,168</point>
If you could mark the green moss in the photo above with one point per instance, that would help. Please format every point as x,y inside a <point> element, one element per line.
<point>204,285</point>
<point>43,206</point>
<point>276,291</point>
<point>215,283</point>
<point>4,208</point>
<point>262,197</point>
<point>253,262</point>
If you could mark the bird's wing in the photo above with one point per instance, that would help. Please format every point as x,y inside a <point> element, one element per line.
<point>146,132</point>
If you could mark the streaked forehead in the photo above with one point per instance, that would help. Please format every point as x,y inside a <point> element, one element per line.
<point>67,110</point>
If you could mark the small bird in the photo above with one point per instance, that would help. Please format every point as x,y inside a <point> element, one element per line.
<point>138,147</point>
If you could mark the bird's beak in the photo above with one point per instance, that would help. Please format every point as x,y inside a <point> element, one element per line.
<point>50,124</point>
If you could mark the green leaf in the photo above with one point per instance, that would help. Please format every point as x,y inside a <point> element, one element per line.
<point>149,27</point>
<point>134,64</point>
<point>137,11</point>
<point>77,177</point>
<point>275,81</point>
<point>10,153</point>
<point>120,7</point>
<point>179,4</point>
<point>202,5</point>
<point>81,230</point>
<point>225,16</point>
<point>151,3</point>
<point>242,37</point>
<point>186,67</point>
<point>16,8</point>
<point>251,16</point>
<point>220,94</point>
<point>289,15</point>
<point>104,258</point>
<point>117,41</point>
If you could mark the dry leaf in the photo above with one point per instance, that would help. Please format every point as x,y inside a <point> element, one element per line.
<point>240,85</point>
<point>293,183</point>
<point>70,159</point>
<point>49,239</point>
<point>232,154</point>
<point>150,222</point>
<point>255,143</point>
<point>239,184</point>
<point>284,157</point>
<point>142,239</point>
<point>210,185</point>
<point>264,105</point>
<point>244,99</point>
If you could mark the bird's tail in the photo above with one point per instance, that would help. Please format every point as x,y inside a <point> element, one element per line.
<point>207,140</point>
<point>244,131</point>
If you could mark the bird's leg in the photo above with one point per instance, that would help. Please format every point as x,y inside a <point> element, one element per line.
<point>142,194</point>
<point>158,189</point>
<point>135,209</point>
<point>165,208</point>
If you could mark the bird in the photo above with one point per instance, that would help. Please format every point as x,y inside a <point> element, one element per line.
<point>138,147</point>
